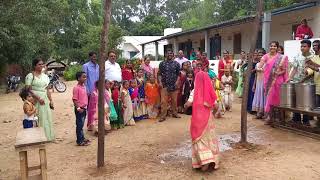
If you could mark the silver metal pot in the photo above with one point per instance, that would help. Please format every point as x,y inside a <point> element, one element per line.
<point>288,95</point>
<point>305,96</point>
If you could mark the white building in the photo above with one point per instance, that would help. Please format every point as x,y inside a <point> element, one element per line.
<point>235,35</point>
<point>132,45</point>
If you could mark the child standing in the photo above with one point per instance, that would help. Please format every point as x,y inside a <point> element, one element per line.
<point>182,80</point>
<point>141,91</point>
<point>93,111</point>
<point>30,111</point>
<point>186,90</point>
<point>113,114</point>
<point>80,101</point>
<point>127,111</point>
<point>152,97</point>
<point>227,82</point>
<point>218,86</point>
<point>134,94</point>
<point>117,102</point>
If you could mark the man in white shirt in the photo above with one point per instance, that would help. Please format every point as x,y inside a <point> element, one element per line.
<point>112,68</point>
<point>181,59</point>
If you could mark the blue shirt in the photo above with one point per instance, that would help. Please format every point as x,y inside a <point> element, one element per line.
<point>92,71</point>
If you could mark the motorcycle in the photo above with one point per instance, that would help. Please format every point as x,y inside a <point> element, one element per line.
<point>13,83</point>
<point>56,83</point>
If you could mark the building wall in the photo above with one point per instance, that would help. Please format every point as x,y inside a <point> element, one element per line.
<point>281,25</point>
<point>281,30</point>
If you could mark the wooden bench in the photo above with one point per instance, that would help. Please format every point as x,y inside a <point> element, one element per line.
<point>29,139</point>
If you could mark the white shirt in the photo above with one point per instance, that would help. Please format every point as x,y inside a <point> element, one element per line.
<point>181,60</point>
<point>225,79</point>
<point>113,71</point>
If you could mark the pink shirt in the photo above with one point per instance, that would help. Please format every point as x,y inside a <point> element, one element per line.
<point>80,96</point>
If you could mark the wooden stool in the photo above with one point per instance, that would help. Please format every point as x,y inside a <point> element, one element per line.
<point>29,139</point>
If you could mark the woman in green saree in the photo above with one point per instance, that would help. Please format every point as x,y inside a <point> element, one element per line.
<point>38,82</point>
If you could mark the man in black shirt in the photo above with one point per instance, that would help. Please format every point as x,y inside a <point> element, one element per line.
<point>168,82</point>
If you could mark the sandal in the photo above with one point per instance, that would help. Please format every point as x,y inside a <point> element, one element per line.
<point>83,144</point>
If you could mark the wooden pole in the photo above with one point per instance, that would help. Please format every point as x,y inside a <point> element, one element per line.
<point>101,88</point>
<point>256,28</point>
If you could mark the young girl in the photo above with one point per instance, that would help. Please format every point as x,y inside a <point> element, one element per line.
<point>117,102</point>
<point>259,98</point>
<point>152,97</point>
<point>113,114</point>
<point>218,86</point>
<point>141,84</point>
<point>134,94</point>
<point>30,111</point>
<point>186,90</point>
<point>227,82</point>
<point>93,111</point>
<point>127,71</point>
<point>127,111</point>
<point>182,79</point>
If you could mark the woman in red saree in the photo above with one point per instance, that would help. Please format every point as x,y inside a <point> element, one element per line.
<point>224,63</point>
<point>205,150</point>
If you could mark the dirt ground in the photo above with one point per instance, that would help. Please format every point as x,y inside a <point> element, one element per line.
<point>152,150</point>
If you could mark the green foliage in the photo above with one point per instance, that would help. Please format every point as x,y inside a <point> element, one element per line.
<point>151,25</point>
<point>59,29</point>
<point>70,73</point>
<point>208,12</point>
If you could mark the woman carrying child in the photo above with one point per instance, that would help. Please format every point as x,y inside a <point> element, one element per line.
<point>37,82</point>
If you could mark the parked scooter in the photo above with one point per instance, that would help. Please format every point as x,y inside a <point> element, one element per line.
<point>13,83</point>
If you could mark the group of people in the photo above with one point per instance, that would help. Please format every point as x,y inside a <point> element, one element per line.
<point>177,86</point>
<point>271,70</point>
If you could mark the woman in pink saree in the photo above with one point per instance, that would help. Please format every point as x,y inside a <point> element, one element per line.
<point>205,150</point>
<point>275,74</point>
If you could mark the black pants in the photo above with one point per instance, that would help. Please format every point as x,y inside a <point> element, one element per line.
<point>80,119</point>
<point>297,118</point>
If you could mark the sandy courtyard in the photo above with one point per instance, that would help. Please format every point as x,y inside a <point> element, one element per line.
<point>153,150</point>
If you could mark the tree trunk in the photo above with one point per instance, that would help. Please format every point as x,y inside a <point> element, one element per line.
<point>101,88</point>
<point>256,26</point>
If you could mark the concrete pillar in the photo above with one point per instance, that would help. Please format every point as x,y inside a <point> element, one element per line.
<point>157,51</point>
<point>266,25</point>
<point>175,46</point>
<point>207,43</point>
<point>143,52</point>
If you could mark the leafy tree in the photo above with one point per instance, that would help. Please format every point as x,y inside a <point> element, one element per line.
<point>151,25</point>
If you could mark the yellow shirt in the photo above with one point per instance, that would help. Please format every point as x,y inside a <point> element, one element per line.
<point>316,59</point>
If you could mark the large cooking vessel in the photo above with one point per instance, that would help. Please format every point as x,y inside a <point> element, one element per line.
<point>288,95</point>
<point>305,96</point>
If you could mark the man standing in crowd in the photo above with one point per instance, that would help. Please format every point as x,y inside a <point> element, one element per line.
<point>112,68</point>
<point>298,74</point>
<point>181,59</point>
<point>314,65</point>
<point>304,31</point>
<point>168,83</point>
<point>91,68</point>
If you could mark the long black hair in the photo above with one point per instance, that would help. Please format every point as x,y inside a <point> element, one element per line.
<point>35,62</point>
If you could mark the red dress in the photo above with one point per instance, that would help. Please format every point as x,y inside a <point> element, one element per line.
<point>127,74</point>
<point>222,65</point>
<point>303,30</point>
